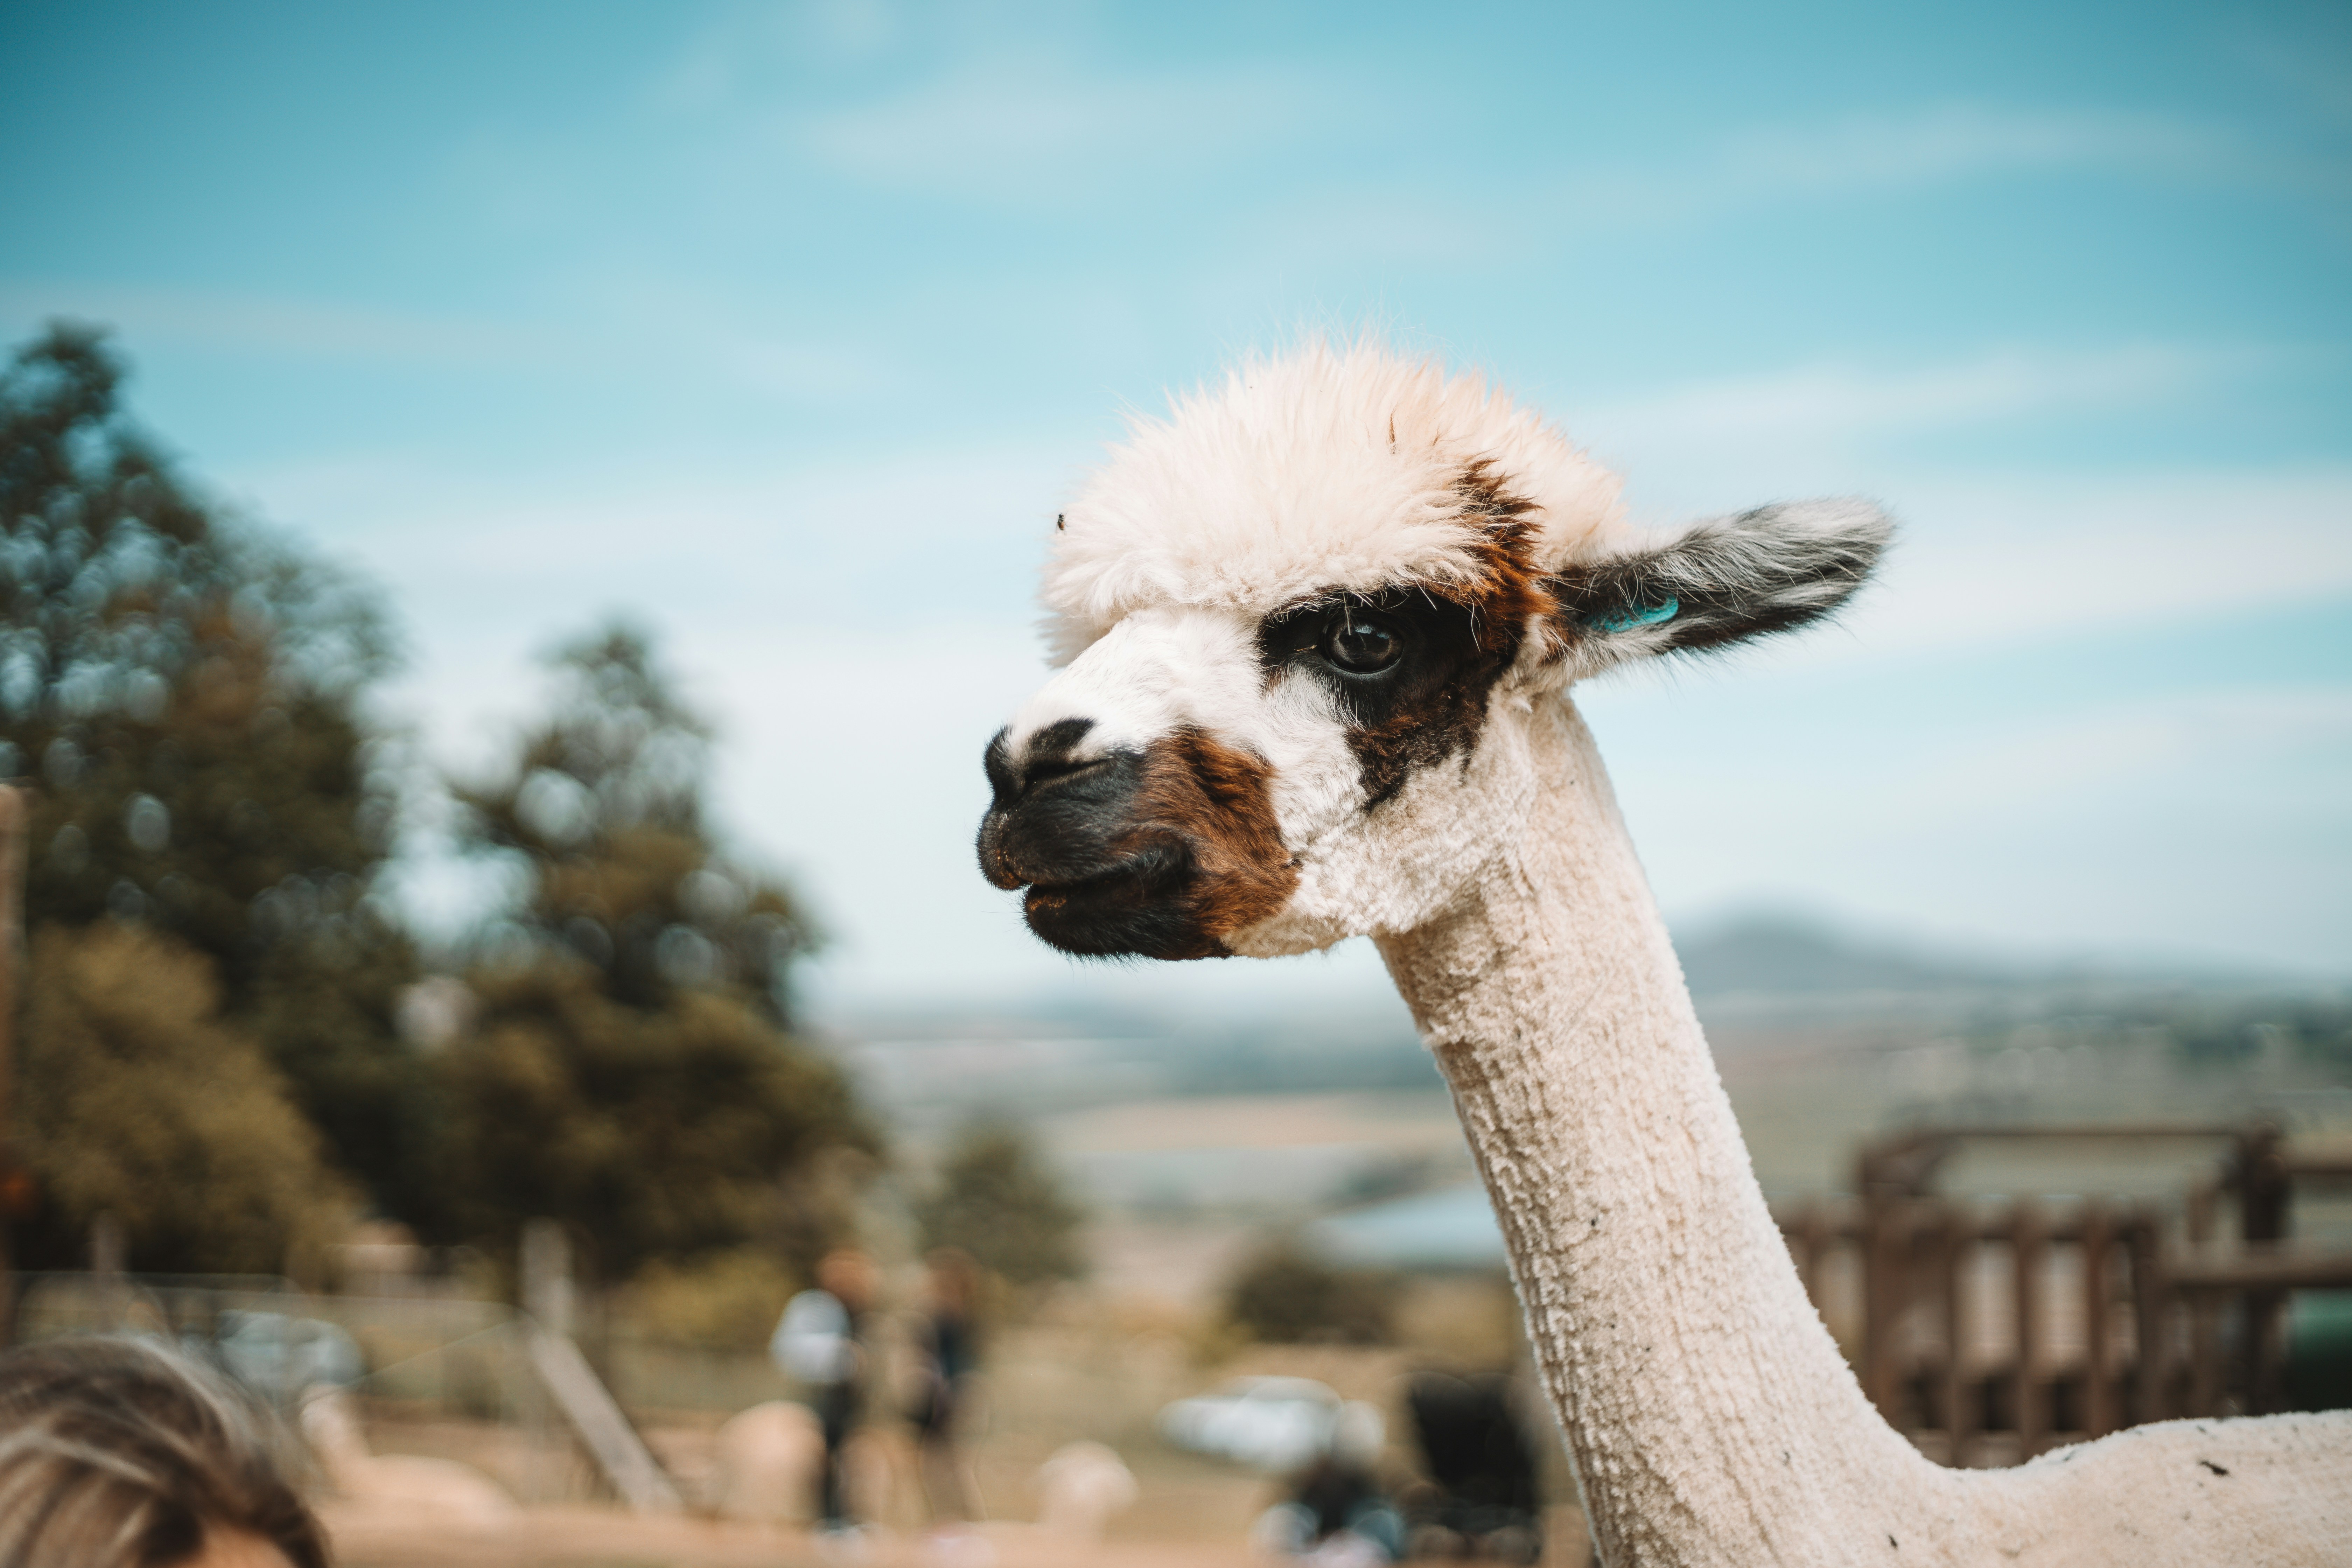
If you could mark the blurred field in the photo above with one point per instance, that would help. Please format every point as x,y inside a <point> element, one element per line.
<point>1183,1186</point>
<point>1100,1376</point>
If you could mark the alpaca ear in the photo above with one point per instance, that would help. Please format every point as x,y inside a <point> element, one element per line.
<point>1722,581</point>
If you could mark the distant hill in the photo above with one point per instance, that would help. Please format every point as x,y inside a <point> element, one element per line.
<point>1792,958</point>
<point>1763,983</point>
<point>1781,956</point>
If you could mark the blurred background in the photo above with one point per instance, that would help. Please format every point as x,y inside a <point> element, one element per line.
<point>521,520</point>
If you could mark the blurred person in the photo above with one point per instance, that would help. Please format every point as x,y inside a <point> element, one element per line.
<point>1338,1514</point>
<point>820,1341</point>
<point>1483,1496</point>
<point>118,1453</point>
<point>947,1351</point>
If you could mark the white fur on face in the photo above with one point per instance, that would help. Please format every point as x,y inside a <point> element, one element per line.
<point>1333,473</point>
<point>1153,673</point>
<point>1163,669</point>
<point>1323,470</point>
<point>1387,870</point>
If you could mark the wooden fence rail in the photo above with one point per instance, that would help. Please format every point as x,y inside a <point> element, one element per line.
<point>1990,1333</point>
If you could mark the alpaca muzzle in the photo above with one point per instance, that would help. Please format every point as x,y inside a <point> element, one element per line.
<point>1156,853</point>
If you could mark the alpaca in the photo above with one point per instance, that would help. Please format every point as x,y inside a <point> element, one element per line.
<point>1316,632</point>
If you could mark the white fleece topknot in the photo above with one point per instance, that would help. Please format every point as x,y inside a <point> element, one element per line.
<point>1317,470</point>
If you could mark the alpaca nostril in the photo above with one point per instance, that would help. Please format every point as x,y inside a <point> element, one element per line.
<point>1053,770</point>
<point>1043,758</point>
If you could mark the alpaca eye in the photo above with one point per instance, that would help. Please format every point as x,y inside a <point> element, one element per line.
<point>1361,643</point>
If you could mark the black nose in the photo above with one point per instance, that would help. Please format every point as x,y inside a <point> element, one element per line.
<point>1045,758</point>
<point>1056,818</point>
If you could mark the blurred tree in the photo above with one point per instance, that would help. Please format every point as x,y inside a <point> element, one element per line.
<point>1284,1294</point>
<point>655,1133</point>
<point>999,1200</point>
<point>603,806</point>
<point>185,691</point>
<point>629,1072</point>
<point>726,1302</point>
<point>140,1101</point>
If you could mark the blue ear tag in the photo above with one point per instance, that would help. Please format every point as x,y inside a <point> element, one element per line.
<point>1639,616</point>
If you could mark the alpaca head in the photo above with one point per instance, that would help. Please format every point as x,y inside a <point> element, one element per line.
<point>1301,623</point>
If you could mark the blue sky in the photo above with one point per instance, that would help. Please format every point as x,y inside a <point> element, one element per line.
<point>784,328</point>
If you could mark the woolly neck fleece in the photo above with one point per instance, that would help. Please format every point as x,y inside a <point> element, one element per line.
<point>1710,1417</point>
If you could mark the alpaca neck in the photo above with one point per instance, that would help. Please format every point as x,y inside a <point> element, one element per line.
<point>1708,1412</point>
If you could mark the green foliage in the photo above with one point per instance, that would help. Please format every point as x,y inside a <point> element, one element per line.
<point>650,1132</point>
<point>997,1201</point>
<point>725,1301</point>
<point>628,1073</point>
<point>603,806</point>
<point>139,1100</point>
<point>185,691</point>
<point>1284,1294</point>
<point>2223,1035</point>
<point>2221,1032</point>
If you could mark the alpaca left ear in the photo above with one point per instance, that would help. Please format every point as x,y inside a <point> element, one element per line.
<point>1722,581</point>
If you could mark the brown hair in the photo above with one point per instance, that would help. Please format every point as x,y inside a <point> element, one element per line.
<point>118,1453</point>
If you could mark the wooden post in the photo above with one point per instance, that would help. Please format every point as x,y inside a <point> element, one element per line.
<point>12,942</point>
<point>1812,1241</point>
<point>2263,1192</point>
<point>2149,1299</point>
<point>1879,1287</point>
<point>2098,1359</point>
<point>1955,1244</point>
<point>615,1445</point>
<point>2027,1249</point>
<point>2206,1379</point>
<point>547,1292</point>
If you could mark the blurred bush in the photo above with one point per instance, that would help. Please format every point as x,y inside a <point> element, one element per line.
<point>185,694</point>
<point>997,1199</point>
<point>182,690</point>
<point>2230,1033</point>
<point>628,1071</point>
<point>1284,1294</point>
<point>724,1301</point>
<point>602,811</point>
<point>141,1102</point>
<point>650,1133</point>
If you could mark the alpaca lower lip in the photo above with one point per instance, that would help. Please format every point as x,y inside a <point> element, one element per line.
<point>1138,908</point>
<point>1142,873</point>
<point>1052,895</point>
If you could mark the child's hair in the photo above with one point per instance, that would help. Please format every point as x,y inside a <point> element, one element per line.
<point>120,1453</point>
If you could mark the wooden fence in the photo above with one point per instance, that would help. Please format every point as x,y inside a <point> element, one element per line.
<point>1989,1332</point>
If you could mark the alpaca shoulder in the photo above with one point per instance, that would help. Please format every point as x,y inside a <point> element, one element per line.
<point>2273,1490</point>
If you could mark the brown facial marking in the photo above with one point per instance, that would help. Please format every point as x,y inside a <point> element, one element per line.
<point>1160,852</point>
<point>1221,801</point>
<point>1509,589</point>
<point>1464,636</point>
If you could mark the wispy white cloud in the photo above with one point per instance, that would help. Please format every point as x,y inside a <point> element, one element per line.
<point>616,324</point>
<point>737,52</point>
<point>2094,812</point>
<point>1850,403</point>
<point>1766,164</point>
<point>1034,126</point>
<point>1024,109</point>
<point>1993,552</point>
<point>1989,558</point>
<point>2048,767</point>
<point>1987,562</point>
<point>824,544</point>
<point>276,324</point>
<point>1958,139</point>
